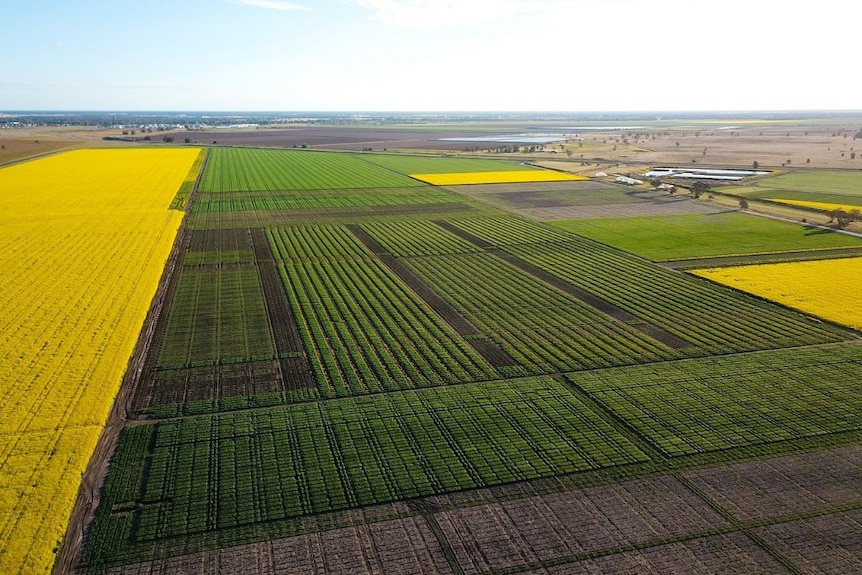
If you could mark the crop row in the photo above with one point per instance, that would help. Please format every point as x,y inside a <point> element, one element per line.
<point>509,231</point>
<point>368,334</point>
<point>215,472</point>
<point>416,238</point>
<point>247,170</point>
<point>322,242</point>
<point>316,199</point>
<point>404,164</point>
<point>543,328</point>
<point>714,319</point>
<point>218,315</point>
<point>362,328</point>
<point>707,404</point>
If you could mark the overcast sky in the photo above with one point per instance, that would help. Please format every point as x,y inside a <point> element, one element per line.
<point>428,55</point>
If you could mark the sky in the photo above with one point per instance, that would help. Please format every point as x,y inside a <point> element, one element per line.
<point>428,55</point>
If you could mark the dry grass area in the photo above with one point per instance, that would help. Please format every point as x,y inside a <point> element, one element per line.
<point>24,143</point>
<point>772,145</point>
<point>14,149</point>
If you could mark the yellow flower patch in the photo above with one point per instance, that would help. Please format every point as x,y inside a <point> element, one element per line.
<point>818,205</point>
<point>828,289</point>
<point>511,177</point>
<point>85,237</point>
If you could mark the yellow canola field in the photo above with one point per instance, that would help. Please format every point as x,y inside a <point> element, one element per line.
<point>818,205</point>
<point>828,289</point>
<point>85,236</point>
<point>512,177</point>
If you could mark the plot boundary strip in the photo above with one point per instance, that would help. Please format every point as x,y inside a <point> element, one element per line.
<point>592,300</point>
<point>484,346</point>
<point>295,371</point>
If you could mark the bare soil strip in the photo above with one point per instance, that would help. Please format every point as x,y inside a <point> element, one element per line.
<point>591,300</point>
<point>295,372</point>
<point>484,346</point>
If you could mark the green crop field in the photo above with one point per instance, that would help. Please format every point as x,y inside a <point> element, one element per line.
<point>544,329</point>
<point>438,165</point>
<point>417,238</point>
<point>711,319</point>
<point>226,471</point>
<point>218,316</point>
<point>663,238</point>
<point>321,199</point>
<point>249,170</point>
<point>839,187</point>
<point>714,320</point>
<point>363,329</point>
<point>339,349</point>
<point>710,404</point>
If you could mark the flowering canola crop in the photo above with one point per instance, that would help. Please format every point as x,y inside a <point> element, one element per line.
<point>827,288</point>
<point>818,205</point>
<point>510,177</point>
<point>85,236</point>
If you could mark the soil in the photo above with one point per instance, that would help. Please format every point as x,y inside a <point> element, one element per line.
<point>717,520</point>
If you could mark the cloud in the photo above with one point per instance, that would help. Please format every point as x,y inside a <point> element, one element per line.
<point>273,5</point>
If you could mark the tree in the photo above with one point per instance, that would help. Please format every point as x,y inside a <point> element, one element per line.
<point>743,204</point>
<point>843,219</point>
<point>699,188</point>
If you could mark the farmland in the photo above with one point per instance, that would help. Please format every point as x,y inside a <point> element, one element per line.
<point>838,187</point>
<point>503,177</point>
<point>355,370</point>
<point>706,235</point>
<point>62,363</point>
<point>807,286</point>
<point>821,205</point>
